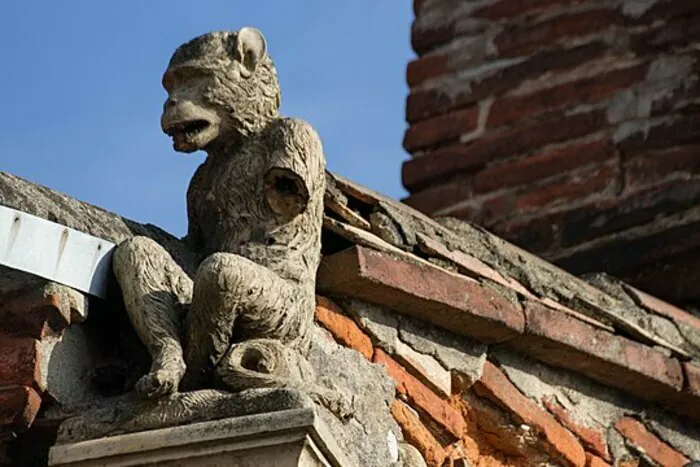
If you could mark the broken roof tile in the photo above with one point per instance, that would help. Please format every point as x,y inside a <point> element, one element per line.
<point>455,303</point>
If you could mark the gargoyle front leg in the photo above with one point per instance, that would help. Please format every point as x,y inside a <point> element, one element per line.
<point>156,292</point>
<point>236,299</point>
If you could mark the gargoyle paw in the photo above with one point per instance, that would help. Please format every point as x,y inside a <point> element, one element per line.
<point>159,383</point>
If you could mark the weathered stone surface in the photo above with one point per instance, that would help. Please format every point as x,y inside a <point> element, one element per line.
<point>293,437</point>
<point>128,413</point>
<point>364,436</point>
<point>425,368</point>
<point>464,357</point>
<point>409,456</point>
<point>380,323</point>
<point>71,363</point>
<point>495,386</point>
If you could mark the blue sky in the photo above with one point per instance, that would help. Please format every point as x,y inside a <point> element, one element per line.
<point>81,95</point>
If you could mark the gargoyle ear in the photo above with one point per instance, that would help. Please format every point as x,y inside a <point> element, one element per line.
<point>250,49</point>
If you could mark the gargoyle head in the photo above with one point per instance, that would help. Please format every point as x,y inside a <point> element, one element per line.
<point>222,86</point>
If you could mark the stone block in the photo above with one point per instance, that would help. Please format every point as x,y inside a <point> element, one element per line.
<point>287,438</point>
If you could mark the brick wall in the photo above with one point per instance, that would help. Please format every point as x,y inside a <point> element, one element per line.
<point>570,127</point>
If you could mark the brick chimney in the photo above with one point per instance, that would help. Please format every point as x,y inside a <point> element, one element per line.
<point>570,127</point>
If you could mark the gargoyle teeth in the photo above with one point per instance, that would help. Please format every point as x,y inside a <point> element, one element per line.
<point>189,128</point>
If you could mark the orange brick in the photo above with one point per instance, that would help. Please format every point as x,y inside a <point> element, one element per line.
<point>592,439</point>
<point>595,461</point>
<point>344,329</point>
<point>422,398</point>
<point>417,435</point>
<point>495,386</point>
<point>637,434</point>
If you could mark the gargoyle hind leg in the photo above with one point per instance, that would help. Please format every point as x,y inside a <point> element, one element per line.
<point>236,299</point>
<point>156,291</point>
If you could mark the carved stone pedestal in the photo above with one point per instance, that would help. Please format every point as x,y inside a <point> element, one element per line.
<point>295,437</point>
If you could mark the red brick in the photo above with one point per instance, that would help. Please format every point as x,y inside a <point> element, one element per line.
<point>678,130</point>
<point>33,313</point>
<point>668,9</point>
<point>421,398</point>
<point>441,129</point>
<point>543,164</point>
<point>628,257</point>
<point>674,33</point>
<point>592,439</point>
<point>655,166</point>
<point>508,9</point>
<point>448,160</point>
<point>524,40</point>
<point>576,187</point>
<point>20,361</point>
<point>424,39</point>
<point>451,301</point>
<point>564,96</point>
<point>677,278</point>
<point>663,308</point>
<point>344,329</point>
<point>637,434</point>
<point>692,377</point>
<point>417,435</point>
<point>433,198</point>
<point>417,5</point>
<point>595,461</point>
<point>565,342</point>
<point>632,210</point>
<point>495,386</point>
<point>426,67</point>
<point>427,103</point>
<point>18,408</point>
<point>536,234</point>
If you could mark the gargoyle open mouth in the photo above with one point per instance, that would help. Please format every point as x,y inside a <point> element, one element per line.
<point>190,135</point>
<point>187,130</point>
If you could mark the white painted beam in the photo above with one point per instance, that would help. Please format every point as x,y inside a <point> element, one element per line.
<point>57,253</point>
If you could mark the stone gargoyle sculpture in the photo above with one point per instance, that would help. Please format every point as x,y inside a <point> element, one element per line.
<point>255,210</point>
